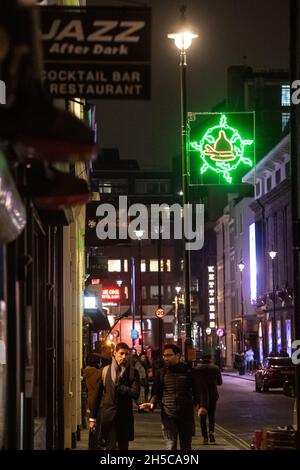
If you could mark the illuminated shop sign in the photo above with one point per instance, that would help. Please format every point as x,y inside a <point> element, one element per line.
<point>110,296</point>
<point>212,296</point>
<point>221,147</point>
<point>97,52</point>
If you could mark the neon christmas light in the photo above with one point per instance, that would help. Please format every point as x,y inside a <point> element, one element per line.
<point>222,149</point>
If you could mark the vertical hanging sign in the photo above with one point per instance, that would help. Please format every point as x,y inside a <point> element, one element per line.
<point>212,296</point>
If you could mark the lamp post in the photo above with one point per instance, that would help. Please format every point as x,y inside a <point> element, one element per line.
<point>176,328</point>
<point>241,267</point>
<point>183,40</point>
<point>272,255</point>
<point>119,283</point>
<point>139,235</point>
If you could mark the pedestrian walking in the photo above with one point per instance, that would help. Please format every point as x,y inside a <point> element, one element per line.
<point>249,358</point>
<point>208,377</point>
<point>146,365</point>
<point>174,389</point>
<point>91,375</point>
<point>218,357</point>
<point>137,364</point>
<point>239,363</point>
<point>112,416</point>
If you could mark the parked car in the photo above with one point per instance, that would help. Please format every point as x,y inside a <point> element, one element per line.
<point>274,372</point>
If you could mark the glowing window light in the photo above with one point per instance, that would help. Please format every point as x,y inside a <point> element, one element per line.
<point>270,338</point>
<point>278,329</point>
<point>222,149</point>
<point>90,302</point>
<point>288,327</point>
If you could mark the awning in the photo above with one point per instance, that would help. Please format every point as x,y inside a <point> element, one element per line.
<point>12,211</point>
<point>99,321</point>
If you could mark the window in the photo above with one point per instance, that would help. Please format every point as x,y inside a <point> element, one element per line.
<point>169,292</point>
<point>164,187</point>
<point>288,169</point>
<point>168,265</point>
<point>114,265</point>
<point>125,266</point>
<point>116,186</point>
<point>232,268</point>
<point>285,95</point>
<point>152,186</point>
<point>257,189</point>
<point>126,292</point>
<point>153,265</point>
<point>195,285</point>
<point>241,223</point>
<point>105,188</point>
<point>278,176</point>
<point>231,234</point>
<point>143,265</point>
<point>154,292</point>
<point>285,118</point>
<point>144,292</point>
<point>269,183</point>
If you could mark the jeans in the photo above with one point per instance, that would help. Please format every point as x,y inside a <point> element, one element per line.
<point>211,420</point>
<point>172,429</point>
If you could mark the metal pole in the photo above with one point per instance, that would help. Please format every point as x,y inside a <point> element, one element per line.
<point>274,309</point>
<point>187,269</point>
<point>295,178</point>
<point>176,319</point>
<point>242,305</point>
<point>141,295</point>
<point>160,320</point>
<point>224,291</point>
<point>133,296</point>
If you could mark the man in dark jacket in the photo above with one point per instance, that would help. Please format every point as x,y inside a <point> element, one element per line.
<point>113,412</point>
<point>208,377</point>
<point>174,389</point>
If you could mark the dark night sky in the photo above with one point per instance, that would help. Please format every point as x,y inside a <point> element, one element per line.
<point>149,131</point>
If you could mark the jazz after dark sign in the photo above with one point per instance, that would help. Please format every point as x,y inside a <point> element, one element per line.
<point>97,53</point>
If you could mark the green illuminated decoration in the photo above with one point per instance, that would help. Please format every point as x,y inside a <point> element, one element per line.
<point>222,149</point>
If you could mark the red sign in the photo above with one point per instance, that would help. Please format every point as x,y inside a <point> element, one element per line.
<point>110,293</point>
<point>95,282</point>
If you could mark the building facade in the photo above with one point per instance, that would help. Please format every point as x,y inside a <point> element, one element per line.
<point>273,233</point>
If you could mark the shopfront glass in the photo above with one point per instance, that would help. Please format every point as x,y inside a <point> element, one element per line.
<point>278,335</point>
<point>270,339</point>
<point>288,333</point>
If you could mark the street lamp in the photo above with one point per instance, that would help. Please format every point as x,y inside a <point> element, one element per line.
<point>139,235</point>
<point>119,283</point>
<point>183,40</point>
<point>241,267</point>
<point>176,328</point>
<point>273,255</point>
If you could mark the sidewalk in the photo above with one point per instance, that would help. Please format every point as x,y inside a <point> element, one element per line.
<point>148,436</point>
<point>233,373</point>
